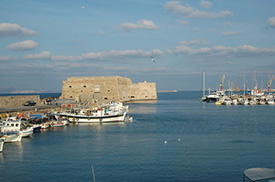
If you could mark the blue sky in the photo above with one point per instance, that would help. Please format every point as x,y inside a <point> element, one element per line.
<point>44,42</point>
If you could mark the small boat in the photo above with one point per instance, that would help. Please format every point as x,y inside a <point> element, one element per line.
<point>252,102</point>
<point>262,102</point>
<point>258,174</point>
<point>1,144</point>
<point>218,103</point>
<point>45,125</point>
<point>244,102</point>
<point>227,101</point>
<point>12,137</point>
<point>234,102</point>
<point>57,124</point>
<point>65,121</point>
<point>27,132</point>
<point>270,102</point>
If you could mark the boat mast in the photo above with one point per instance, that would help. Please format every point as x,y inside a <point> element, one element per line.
<point>244,83</point>
<point>203,84</point>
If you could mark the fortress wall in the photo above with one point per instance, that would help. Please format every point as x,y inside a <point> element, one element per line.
<point>18,101</point>
<point>107,88</point>
<point>143,91</point>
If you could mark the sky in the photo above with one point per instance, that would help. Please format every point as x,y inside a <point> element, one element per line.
<point>43,42</point>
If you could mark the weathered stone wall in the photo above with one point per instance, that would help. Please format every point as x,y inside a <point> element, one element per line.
<point>143,91</point>
<point>107,88</point>
<point>18,101</point>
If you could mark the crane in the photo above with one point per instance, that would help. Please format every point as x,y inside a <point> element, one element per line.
<point>269,83</point>
<point>221,83</point>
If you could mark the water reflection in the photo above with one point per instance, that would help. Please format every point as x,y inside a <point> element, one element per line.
<point>143,108</point>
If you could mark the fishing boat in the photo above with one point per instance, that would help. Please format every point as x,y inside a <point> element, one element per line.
<point>270,102</point>
<point>99,117</point>
<point>15,125</point>
<point>15,137</point>
<point>57,124</point>
<point>27,132</point>
<point>1,144</point>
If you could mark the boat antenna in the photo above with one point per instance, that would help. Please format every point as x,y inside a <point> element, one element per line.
<point>93,172</point>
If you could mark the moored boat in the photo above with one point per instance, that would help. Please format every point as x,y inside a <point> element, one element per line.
<point>1,144</point>
<point>96,118</point>
<point>27,132</point>
<point>12,137</point>
<point>57,124</point>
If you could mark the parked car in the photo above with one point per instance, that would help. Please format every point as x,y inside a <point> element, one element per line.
<point>30,103</point>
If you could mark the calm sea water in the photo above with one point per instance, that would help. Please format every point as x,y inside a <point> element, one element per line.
<point>204,143</point>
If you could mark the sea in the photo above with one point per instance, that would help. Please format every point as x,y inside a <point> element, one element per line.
<point>178,138</point>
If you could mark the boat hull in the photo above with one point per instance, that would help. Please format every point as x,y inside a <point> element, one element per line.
<point>1,145</point>
<point>27,133</point>
<point>12,138</point>
<point>96,119</point>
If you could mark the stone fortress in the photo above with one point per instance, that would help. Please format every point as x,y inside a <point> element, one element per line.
<point>107,88</point>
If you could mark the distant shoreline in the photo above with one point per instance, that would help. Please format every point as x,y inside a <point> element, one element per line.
<point>167,91</point>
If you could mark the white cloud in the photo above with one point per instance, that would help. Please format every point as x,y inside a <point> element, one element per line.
<point>14,30</point>
<point>5,58</point>
<point>120,54</point>
<point>230,33</point>
<point>42,55</point>
<point>227,24</point>
<point>271,22</point>
<point>182,22</point>
<point>205,4</point>
<point>242,50</point>
<point>176,8</point>
<point>193,42</point>
<point>141,24</point>
<point>66,58</point>
<point>21,46</point>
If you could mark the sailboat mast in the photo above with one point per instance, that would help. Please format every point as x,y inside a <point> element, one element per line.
<point>203,83</point>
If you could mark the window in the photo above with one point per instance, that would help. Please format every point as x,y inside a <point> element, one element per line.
<point>71,96</point>
<point>70,86</point>
<point>132,96</point>
<point>109,91</point>
<point>84,86</point>
<point>106,98</point>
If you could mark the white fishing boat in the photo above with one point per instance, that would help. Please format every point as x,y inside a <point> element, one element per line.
<point>12,137</point>
<point>15,125</point>
<point>1,144</point>
<point>57,124</point>
<point>270,102</point>
<point>99,117</point>
<point>27,132</point>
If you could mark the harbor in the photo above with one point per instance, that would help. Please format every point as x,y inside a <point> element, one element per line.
<point>15,126</point>
<point>254,96</point>
<point>170,140</point>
